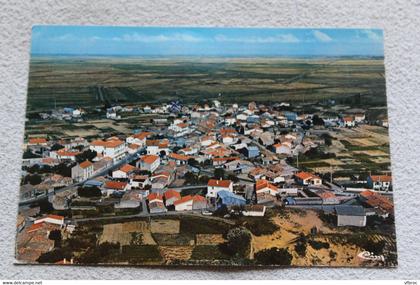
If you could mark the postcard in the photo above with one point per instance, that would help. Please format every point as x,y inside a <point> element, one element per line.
<point>165,146</point>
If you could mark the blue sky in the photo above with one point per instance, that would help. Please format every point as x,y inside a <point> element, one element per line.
<point>183,41</point>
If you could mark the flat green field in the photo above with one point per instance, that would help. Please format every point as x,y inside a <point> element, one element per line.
<point>68,81</point>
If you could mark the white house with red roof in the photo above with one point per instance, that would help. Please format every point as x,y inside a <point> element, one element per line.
<point>149,162</point>
<point>155,147</point>
<point>189,203</point>
<point>306,178</point>
<point>124,171</point>
<point>379,182</point>
<point>82,171</point>
<point>64,154</point>
<point>348,121</point>
<point>51,219</point>
<point>138,139</point>
<point>113,147</point>
<point>214,186</point>
<point>171,196</point>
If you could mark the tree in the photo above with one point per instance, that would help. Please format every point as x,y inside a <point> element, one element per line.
<point>190,178</point>
<point>51,256</point>
<point>86,155</point>
<point>239,242</point>
<point>233,178</point>
<point>327,139</point>
<point>219,173</point>
<point>274,256</point>
<point>32,179</point>
<point>317,121</point>
<point>91,191</point>
<point>193,162</point>
<point>56,147</point>
<point>55,235</point>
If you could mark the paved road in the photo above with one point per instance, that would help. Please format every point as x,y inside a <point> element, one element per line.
<point>127,159</point>
<point>145,214</point>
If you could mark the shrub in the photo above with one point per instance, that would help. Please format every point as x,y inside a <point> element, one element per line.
<point>300,248</point>
<point>318,244</point>
<point>239,242</point>
<point>89,191</point>
<point>274,256</point>
<point>260,226</point>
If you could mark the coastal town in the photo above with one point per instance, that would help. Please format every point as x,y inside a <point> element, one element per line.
<point>210,162</point>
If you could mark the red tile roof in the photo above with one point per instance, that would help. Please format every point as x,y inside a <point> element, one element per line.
<point>65,152</point>
<point>149,159</point>
<point>179,156</point>
<point>185,199</point>
<point>35,227</point>
<point>219,183</point>
<point>127,168</point>
<point>153,196</point>
<point>56,217</point>
<point>85,164</point>
<point>115,185</point>
<point>306,175</point>
<point>37,140</point>
<point>112,143</point>
<point>262,183</point>
<point>381,178</point>
<point>171,194</point>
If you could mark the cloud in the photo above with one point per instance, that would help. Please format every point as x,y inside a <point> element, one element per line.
<point>281,38</point>
<point>323,37</point>
<point>371,35</point>
<point>135,37</point>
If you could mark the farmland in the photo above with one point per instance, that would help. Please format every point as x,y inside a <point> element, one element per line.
<point>83,82</point>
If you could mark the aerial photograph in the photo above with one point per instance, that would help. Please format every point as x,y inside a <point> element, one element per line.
<point>158,146</point>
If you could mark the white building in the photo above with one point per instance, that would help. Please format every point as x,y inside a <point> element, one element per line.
<point>214,186</point>
<point>113,148</point>
<point>149,162</point>
<point>82,171</point>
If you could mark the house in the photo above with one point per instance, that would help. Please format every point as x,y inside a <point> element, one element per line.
<point>82,171</point>
<point>350,215</point>
<point>51,219</point>
<point>113,148</point>
<point>133,148</point>
<point>254,211</point>
<point>348,121</point>
<point>214,186</point>
<point>124,171</point>
<point>257,173</point>
<point>138,139</point>
<point>382,205</point>
<point>180,159</point>
<point>139,182</point>
<point>328,197</point>
<point>275,177</point>
<point>64,154</point>
<point>130,200</point>
<point>37,142</point>
<point>283,148</point>
<point>171,196</point>
<point>239,166</point>
<point>359,117</point>
<point>380,182</point>
<point>263,186</point>
<point>306,178</point>
<point>161,180</point>
<point>266,138</point>
<point>157,207</point>
<point>154,197</point>
<point>156,147</point>
<point>251,151</point>
<point>189,203</point>
<point>227,198</point>
<point>149,162</point>
<point>112,186</point>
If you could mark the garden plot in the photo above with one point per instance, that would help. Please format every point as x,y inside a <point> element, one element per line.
<point>209,239</point>
<point>165,226</point>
